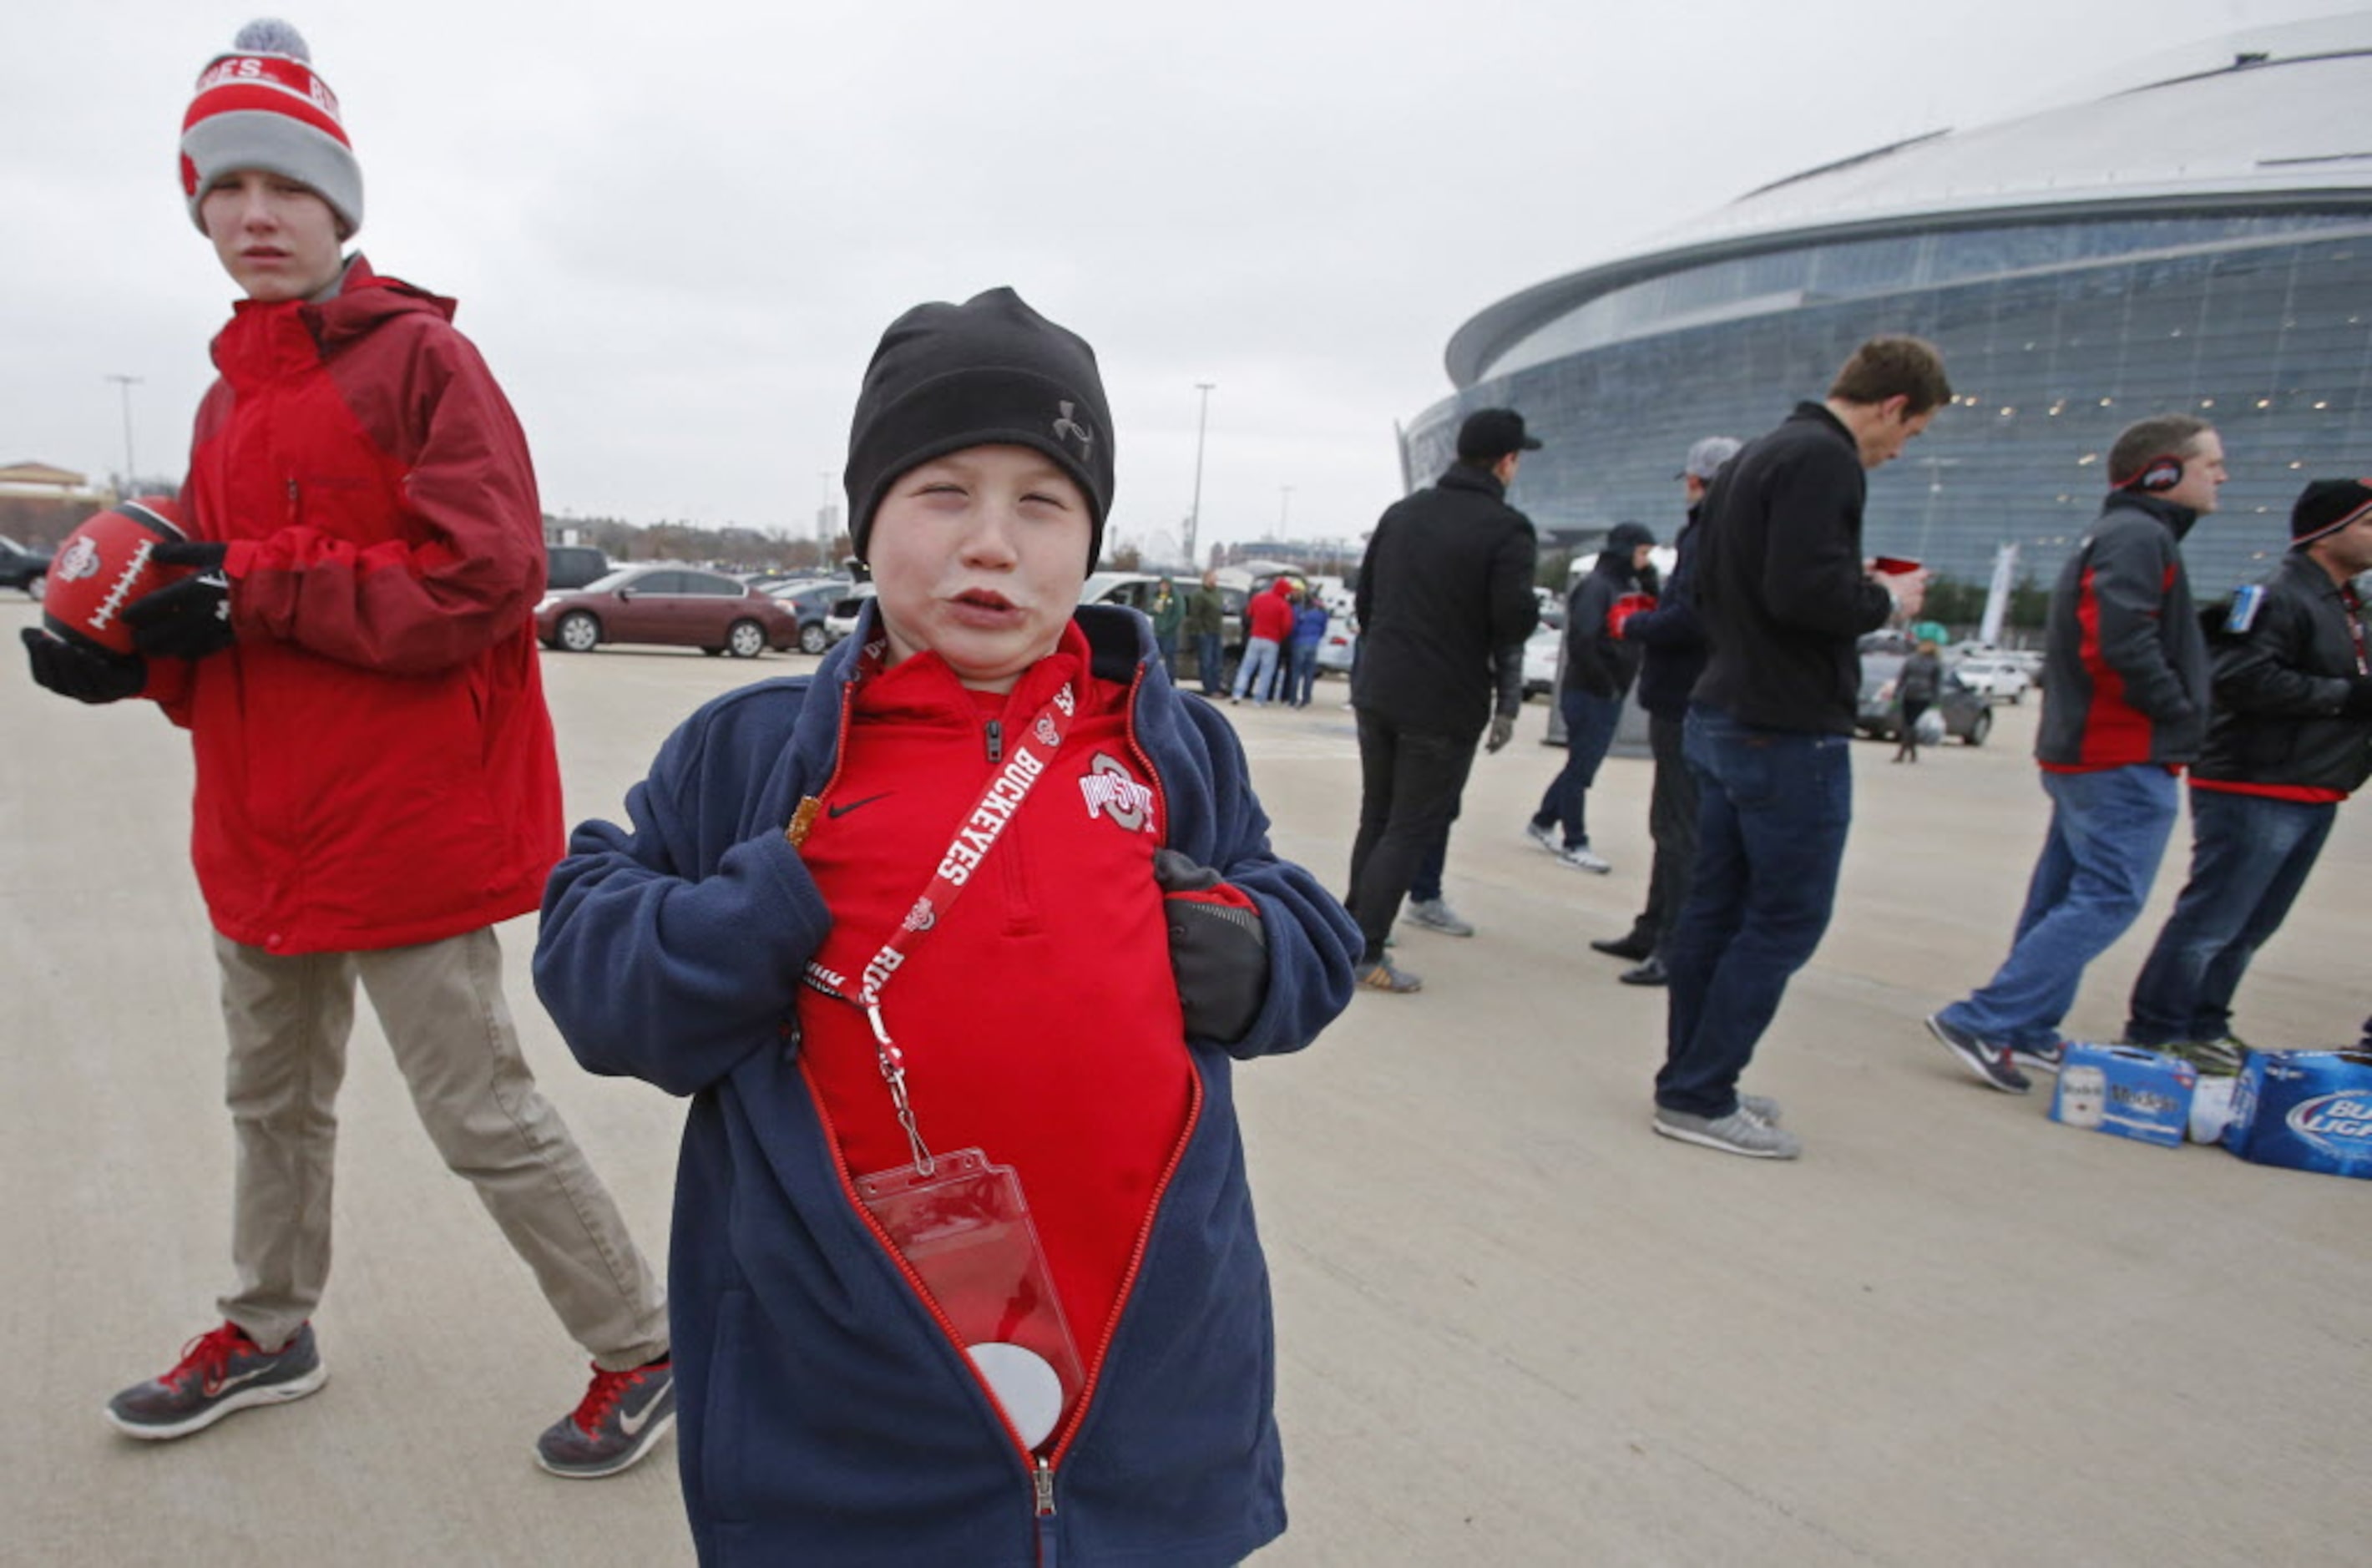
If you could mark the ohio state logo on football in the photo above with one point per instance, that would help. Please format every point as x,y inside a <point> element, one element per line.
<point>80,561</point>
<point>1111,793</point>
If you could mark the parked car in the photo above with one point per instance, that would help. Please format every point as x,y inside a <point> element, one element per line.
<point>1543,650</point>
<point>27,571</point>
<point>1135,589</point>
<point>840,619</point>
<point>1341,642</point>
<point>811,601</point>
<point>1966,713</point>
<point>2000,679</point>
<point>571,566</point>
<point>675,606</point>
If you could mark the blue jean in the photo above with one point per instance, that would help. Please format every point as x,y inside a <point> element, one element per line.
<point>1209,662</point>
<point>1302,679</point>
<point>2107,832</point>
<point>1589,724</point>
<point>1772,810</point>
<point>2250,855</point>
<point>1257,668</point>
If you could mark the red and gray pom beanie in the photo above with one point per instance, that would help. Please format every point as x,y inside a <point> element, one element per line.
<point>988,372</point>
<point>262,106</point>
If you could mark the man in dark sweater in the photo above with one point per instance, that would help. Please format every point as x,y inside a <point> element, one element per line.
<point>2291,737</point>
<point>1675,657</point>
<point>2124,708</point>
<point>1445,602</point>
<point>1784,594</point>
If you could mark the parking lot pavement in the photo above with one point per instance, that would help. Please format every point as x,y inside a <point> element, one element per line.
<point>1515,1327</point>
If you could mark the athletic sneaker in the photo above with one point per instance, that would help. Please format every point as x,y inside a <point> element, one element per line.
<point>621,1417</point>
<point>2217,1058</point>
<point>218,1373</point>
<point>1583,858</point>
<point>2040,1058</point>
<point>1990,1063</point>
<point>1546,836</point>
<point>1763,1107</point>
<point>1737,1134</point>
<point>1435,914</point>
<point>1381,976</point>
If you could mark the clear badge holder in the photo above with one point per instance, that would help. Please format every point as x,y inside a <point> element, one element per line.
<point>965,1229</point>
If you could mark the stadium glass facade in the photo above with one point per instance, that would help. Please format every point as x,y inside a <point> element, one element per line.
<point>2057,333</point>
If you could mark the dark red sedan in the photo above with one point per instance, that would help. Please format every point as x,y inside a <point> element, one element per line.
<point>677,605</point>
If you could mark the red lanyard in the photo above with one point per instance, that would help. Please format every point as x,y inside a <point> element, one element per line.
<point>978,833</point>
<point>2347,597</point>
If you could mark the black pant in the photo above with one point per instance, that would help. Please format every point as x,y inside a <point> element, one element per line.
<point>1408,784</point>
<point>1673,822</point>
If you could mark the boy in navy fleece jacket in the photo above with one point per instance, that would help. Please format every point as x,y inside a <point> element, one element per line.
<point>990,831</point>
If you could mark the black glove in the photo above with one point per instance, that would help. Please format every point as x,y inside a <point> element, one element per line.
<point>189,619</point>
<point>1219,952</point>
<point>85,674</point>
<point>1503,730</point>
<point>2359,704</point>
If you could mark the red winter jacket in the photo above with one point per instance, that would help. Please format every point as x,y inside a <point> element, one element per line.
<point>375,764</point>
<point>1269,615</point>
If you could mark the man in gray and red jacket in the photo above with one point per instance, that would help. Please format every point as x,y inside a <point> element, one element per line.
<point>2290,739</point>
<point>2124,708</point>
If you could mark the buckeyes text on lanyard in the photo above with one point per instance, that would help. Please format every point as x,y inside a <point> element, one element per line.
<point>975,836</point>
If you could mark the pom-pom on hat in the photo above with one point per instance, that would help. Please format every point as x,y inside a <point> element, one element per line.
<point>2327,506</point>
<point>262,106</point>
<point>989,371</point>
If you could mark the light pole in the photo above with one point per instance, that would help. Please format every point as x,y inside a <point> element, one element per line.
<point>1283,509</point>
<point>1195,516</point>
<point>131,468</point>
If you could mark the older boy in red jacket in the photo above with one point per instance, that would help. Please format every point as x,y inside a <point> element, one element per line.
<point>352,654</point>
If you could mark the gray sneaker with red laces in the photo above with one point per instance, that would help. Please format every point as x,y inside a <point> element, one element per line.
<point>219,1372</point>
<point>620,1418</point>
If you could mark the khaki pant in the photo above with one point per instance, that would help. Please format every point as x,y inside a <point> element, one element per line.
<point>441,1005</point>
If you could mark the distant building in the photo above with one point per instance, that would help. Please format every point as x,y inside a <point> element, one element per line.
<point>2199,244</point>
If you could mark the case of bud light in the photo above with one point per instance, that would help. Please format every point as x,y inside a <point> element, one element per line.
<point>2142,1095</point>
<point>2305,1109</point>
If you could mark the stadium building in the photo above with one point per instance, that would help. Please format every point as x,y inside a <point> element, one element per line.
<point>2201,243</point>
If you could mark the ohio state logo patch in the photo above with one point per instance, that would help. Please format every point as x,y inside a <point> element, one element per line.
<point>80,561</point>
<point>1112,794</point>
<point>921,917</point>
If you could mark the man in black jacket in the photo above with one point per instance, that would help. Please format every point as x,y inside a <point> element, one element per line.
<point>1445,602</point>
<point>1675,657</point>
<point>1784,594</point>
<point>2291,737</point>
<point>1599,669</point>
<point>2124,708</point>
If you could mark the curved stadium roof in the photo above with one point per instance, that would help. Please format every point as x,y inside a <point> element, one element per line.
<point>2241,123</point>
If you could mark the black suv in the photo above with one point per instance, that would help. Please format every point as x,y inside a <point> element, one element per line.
<point>25,570</point>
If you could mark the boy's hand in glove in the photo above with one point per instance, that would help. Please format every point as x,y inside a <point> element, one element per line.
<point>87,675</point>
<point>1503,730</point>
<point>189,619</point>
<point>1218,951</point>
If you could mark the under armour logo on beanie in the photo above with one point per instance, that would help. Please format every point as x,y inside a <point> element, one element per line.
<point>989,371</point>
<point>262,106</point>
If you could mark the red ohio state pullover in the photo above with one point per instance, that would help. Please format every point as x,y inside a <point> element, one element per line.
<point>1039,1018</point>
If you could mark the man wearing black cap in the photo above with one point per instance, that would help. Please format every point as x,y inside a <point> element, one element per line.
<point>2291,737</point>
<point>1445,602</point>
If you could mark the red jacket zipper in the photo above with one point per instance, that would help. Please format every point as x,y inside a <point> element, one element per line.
<point>1041,1467</point>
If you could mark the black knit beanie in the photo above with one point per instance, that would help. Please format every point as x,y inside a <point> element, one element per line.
<point>2325,506</point>
<point>988,372</point>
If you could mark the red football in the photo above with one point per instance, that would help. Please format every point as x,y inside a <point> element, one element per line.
<point>104,566</point>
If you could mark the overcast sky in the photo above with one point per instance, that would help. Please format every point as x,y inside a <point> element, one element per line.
<point>677,230</point>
